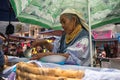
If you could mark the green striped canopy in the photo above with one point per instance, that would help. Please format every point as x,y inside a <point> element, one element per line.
<point>46,13</point>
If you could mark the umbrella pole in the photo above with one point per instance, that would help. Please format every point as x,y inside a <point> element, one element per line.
<point>90,38</point>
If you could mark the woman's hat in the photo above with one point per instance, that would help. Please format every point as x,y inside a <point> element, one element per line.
<point>73,11</point>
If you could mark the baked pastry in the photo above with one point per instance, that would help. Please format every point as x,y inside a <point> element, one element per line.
<point>30,71</point>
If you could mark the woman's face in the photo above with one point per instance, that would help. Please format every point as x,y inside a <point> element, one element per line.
<point>67,23</point>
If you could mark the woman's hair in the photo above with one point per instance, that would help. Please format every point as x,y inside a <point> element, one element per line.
<point>78,21</point>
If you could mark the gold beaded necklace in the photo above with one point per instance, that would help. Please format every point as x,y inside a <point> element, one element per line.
<point>70,37</point>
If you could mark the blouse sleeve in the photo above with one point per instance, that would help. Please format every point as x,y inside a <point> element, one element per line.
<point>79,52</point>
<point>56,45</point>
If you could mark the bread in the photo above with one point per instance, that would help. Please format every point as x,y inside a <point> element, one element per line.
<point>30,71</point>
<point>31,76</point>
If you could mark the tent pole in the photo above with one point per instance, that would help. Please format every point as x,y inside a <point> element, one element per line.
<point>90,35</point>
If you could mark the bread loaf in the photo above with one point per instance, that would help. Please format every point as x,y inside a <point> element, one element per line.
<point>30,71</point>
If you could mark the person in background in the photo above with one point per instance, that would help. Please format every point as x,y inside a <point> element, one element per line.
<point>74,43</point>
<point>2,59</point>
<point>20,51</point>
<point>107,50</point>
<point>103,54</point>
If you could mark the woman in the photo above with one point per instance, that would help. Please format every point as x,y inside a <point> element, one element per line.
<point>74,43</point>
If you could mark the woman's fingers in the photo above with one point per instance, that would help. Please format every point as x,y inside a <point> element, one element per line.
<point>37,56</point>
<point>34,58</point>
<point>40,55</point>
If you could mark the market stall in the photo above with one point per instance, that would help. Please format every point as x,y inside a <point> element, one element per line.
<point>90,73</point>
<point>85,73</point>
<point>19,38</point>
<point>52,33</point>
<point>107,48</point>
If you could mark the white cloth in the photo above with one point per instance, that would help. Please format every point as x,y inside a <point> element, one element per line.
<point>101,75</point>
<point>91,73</point>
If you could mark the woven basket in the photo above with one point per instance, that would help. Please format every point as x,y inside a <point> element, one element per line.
<point>30,71</point>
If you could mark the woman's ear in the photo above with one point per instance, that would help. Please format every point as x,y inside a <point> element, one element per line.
<point>74,20</point>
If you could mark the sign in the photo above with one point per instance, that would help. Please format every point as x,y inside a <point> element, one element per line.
<point>102,34</point>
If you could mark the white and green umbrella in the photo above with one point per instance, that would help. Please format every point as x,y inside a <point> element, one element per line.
<point>45,13</point>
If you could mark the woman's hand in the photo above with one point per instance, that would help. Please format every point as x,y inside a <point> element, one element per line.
<point>65,55</point>
<point>37,56</point>
<point>40,55</point>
